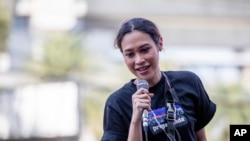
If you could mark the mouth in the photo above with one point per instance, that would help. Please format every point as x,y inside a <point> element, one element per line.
<point>143,69</point>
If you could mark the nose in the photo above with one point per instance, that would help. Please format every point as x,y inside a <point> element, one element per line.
<point>139,59</point>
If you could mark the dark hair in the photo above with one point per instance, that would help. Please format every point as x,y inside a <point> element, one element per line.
<point>139,24</point>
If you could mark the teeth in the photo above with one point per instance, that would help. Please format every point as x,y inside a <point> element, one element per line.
<point>141,69</point>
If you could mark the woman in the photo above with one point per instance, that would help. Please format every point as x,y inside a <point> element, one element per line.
<point>140,42</point>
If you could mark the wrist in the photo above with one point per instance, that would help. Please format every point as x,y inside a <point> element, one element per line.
<point>136,120</point>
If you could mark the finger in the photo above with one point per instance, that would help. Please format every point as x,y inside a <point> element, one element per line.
<point>145,96</point>
<point>145,106</point>
<point>142,98</point>
<point>151,95</point>
<point>142,91</point>
<point>142,103</point>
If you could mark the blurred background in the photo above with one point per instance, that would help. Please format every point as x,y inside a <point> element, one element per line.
<point>58,63</point>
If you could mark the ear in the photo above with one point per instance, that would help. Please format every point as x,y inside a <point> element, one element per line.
<point>160,44</point>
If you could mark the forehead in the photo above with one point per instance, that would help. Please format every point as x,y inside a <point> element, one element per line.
<point>135,39</point>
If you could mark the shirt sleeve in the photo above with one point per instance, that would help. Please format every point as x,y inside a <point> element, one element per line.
<point>114,129</point>
<point>205,108</point>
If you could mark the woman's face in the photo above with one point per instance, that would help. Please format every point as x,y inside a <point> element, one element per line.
<point>141,56</point>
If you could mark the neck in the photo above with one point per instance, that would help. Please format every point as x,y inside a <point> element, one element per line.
<point>156,79</point>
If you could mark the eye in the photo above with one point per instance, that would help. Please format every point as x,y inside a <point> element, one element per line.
<point>129,54</point>
<point>145,49</point>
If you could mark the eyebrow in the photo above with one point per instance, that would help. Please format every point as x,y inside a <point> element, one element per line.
<point>129,49</point>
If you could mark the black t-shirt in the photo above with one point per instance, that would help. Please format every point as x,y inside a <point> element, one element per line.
<point>194,111</point>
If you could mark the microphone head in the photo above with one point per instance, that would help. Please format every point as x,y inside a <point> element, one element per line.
<point>142,84</point>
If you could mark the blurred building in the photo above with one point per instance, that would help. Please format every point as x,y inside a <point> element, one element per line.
<point>197,34</point>
<point>222,27</point>
<point>33,20</point>
<point>184,23</point>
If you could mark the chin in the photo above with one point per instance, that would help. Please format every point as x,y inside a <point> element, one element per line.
<point>143,77</point>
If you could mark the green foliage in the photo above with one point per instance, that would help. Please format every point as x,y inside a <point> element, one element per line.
<point>230,94</point>
<point>232,108</point>
<point>234,103</point>
<point>93,106</point>
<point>61,55</point>
<point>4,25</point>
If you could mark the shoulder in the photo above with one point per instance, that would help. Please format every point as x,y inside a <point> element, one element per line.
<point>184,79</point>
<point>182,75</point>
<point>122,94</point>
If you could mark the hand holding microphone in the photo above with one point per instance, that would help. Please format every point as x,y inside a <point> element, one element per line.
<point>145,100</point>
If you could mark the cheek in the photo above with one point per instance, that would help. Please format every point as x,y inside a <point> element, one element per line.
<point>155,59</point>
<point>129,63</point>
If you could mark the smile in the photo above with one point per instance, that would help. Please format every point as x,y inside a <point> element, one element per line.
<point>142,69</point>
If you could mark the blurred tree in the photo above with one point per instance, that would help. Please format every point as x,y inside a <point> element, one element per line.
<point>62,54</point>
<point>233,103</point>
<point>5,15</point>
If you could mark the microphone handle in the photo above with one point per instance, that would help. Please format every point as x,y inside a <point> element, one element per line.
<point>145,119</point>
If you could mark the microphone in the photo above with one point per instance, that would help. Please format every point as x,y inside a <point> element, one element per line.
<point>143,84</point>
